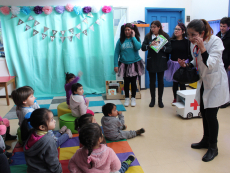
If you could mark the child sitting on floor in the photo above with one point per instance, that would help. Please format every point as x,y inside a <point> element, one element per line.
<point>113,127</point>
<point>40,149</point>
<point>70,79</point>
<point>95,157</point>
<point>4,162</point>
<point>78,103</point>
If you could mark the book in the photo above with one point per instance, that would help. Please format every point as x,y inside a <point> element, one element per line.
<point>161,41</point>
<point>112,92</point>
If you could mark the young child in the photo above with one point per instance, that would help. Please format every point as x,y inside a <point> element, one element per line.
<point>4,164</point>
<point>70,79</point>
<point>84,119</point>
<point>95,157</point>
<point>78,103</point>
<point>40,148</point>
<point>6,122</point>
<point>113,127</point>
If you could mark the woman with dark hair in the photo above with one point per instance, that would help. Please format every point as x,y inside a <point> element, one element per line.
<point>130,65</point>
<point>180,49</point>
<point>156,62</point>
<point>212,88</point>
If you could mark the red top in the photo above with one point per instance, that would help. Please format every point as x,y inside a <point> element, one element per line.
<point>6,78</point>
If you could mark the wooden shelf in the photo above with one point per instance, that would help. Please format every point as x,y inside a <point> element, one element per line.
<point>142,25</point>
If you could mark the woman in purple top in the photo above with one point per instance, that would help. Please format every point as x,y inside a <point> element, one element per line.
<point>70,80</point>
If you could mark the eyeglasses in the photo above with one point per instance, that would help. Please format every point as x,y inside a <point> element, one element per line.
<point>153,26</point>
<point>192,36</point>
<point>177,29</point>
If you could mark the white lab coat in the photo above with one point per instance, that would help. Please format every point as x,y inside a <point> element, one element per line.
<point>214,77</point>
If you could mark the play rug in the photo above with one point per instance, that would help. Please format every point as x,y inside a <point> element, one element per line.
<point>95,104</point>
<point>67,150</point>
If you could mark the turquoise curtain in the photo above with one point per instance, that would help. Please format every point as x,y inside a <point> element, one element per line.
<point>42,64</point>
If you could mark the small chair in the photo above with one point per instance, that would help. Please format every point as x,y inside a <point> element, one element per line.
<point>19,135</point>
<point>63,109</point>
<point>69,121</point>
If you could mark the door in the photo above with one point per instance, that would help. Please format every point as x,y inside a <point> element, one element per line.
<point>168,16</point>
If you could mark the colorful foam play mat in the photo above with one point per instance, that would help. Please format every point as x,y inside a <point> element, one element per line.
<point>67,150</point>
<point>96,101</point>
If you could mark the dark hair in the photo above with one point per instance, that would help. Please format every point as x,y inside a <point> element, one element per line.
<point>75,86</point>
<point>21,94</point>
<point>107,108</point>
<point>183,27</point>
<point>68,76</point>
<point>200,26</point>
<point>131,26</point>
<point>161,32</point>
<point>84,119</point>
<point>225,20</point>
<point>89,136</point>
<point>37,118</point>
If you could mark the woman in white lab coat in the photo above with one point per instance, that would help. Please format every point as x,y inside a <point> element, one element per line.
<point>212,88</point>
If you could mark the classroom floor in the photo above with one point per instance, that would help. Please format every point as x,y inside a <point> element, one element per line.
<point>165,147</point>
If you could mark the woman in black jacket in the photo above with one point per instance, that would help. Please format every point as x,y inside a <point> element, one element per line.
<point>156,62</point>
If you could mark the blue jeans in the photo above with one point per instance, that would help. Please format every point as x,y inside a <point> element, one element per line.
<point>124,167</point>
<point>61,138</point>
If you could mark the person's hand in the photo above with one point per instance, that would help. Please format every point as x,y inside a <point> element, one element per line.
<point>133,33</point>
<point>154,43</point>
<point>200,43</point>
<point>119,112</point>
<point>181,62</point>
<point>228,67</point>
<point>116,69</point>
<point>79,74</point>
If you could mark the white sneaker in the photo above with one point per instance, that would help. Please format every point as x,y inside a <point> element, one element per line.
<point>133,102</point>
<point>126,104</point>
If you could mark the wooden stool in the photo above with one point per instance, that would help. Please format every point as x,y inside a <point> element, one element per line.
<point>4,82</point>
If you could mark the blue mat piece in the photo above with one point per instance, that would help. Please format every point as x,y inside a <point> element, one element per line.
<point>93,95</point>
<point>45,106</point>
<point>121,108</point>
<point>18,158</point>
<point>44,98</point>
<point>96,103</point>
<point>54,112</point>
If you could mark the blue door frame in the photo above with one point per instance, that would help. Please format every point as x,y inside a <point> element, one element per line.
<point>150,9</point>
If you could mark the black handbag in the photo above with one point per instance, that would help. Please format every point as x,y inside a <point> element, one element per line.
<point>186,75</point>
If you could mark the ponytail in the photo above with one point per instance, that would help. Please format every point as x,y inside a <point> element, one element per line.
<point>25,130</point>
<point>68,76</point>
<point>208,30</point>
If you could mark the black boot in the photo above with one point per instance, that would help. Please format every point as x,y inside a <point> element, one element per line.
<point>7,147</point>
<point>152,103</point>
<point>9,136</point>
<point>211,153</point>
<point>204,143</point>
<point>160,103</point>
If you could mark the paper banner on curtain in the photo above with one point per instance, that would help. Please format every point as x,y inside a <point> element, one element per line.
<point>78,35</point>
<point>78,26</point>
<point>71,30</point>
<point>30,18</point>
<point>52,38</point>
<point>13,16</point>
<point>36,23</point>
<point>27,27</point>
<point>35,32</point>
<point>91,27</point>
<point>85,32</point>
<point>90,15</point>
<point>98,21</point>
<point>45,28</point>
<point>43,36</point>
<point>54,32</point>
<point>62,32</point>
<point>20,22</point>
<point>62,39</point>
<point>103,17</point>
<point>85,20</point>
<point>70,38</point>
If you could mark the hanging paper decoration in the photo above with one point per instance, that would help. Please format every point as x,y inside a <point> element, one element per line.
<point>5,10</point>
<point>78,26</point>
<point>78,35</point>
<point>85,20</point>
<point>30,18</point>
<point>70,38</point>
<point>71,30</point>
<point>62,39</point>
<point>45,28</point>
<point>36,23</point>
<point>27,27</point>
<point>98,21</point>
<point>35,32</point>
<point>85,32</point>
<point>52,38</point>
<point>62,32</point>
<point>38,9</point>
<point>69,7</point>
<point>15,10</point>
<point>43,36</point>
<point>13,16</point>
<point>95,9</point>
<point>87,9</point>
<point>47,10</point>
<point>91,27</point>
<point>60,9</point>
<point>77,10</point>
<point>20,22</point>
<point>26,10</point>
<point>106,9</point>
<point>54,32</point>
<point>103,17</point>
<point>90,15</point>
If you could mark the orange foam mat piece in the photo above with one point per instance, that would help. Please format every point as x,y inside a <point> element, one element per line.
<point>120,147</point>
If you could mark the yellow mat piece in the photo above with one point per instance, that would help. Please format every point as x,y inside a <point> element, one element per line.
<point>67,153</point>
<point>135,169</point>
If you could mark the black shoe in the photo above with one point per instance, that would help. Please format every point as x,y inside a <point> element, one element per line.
<point>224,106</point>
<point>7,147</point>
<point>8,155</point>
<point>139,132</point>
<point>152,103</point>
<point>204,143</point>
<point>130,159</point>
<point>10,137</point>
<point>160,104</point>
<point>211,153</point>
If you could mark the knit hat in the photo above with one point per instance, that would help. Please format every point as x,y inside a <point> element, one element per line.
<point>2,129</point>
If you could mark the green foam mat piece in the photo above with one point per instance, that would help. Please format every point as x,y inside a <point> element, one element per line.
<point>19,168</point>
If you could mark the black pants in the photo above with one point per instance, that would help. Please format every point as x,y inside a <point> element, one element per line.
<point>127,81</point>
<point>4,165</point>
<point>210,122</point>
<point>160,79</point>
<point>175,88</point>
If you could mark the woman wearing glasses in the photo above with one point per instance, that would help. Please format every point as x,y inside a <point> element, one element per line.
<point>156,62</point>
<point>212,88</point>
<point>180,49</point>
